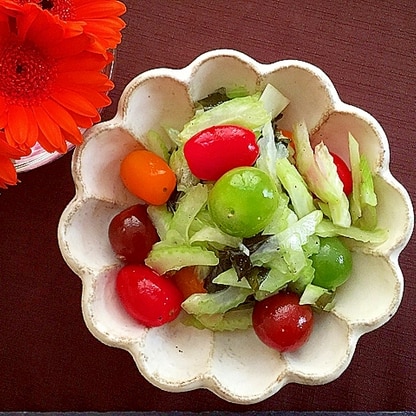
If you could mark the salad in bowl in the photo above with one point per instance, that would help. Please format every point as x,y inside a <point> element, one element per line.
<point>233,227</point>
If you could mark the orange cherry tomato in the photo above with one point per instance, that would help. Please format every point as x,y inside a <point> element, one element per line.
<point>188,281</point>
<point>148,176</point>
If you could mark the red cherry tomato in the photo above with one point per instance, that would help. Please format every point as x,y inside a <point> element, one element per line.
<point>281,323</point>
<point>214,151</point>
<point>132,234</point>
<point>151,299</point>
<point>344,173</point>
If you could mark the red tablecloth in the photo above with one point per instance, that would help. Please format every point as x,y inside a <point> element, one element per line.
<point>49,361</point>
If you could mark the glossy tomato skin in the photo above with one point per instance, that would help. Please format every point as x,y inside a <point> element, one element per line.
<point>344,173</point>
<point>332,264</point>
<point>147,176</point>
<point>243,201</point>
<point>214,151</point>
<point>132,234</point>
<point>281,323</point>
<point>151,299</point>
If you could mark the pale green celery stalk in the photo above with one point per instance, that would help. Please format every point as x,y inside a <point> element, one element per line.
<point>363,200</point>
<point>327,229</point>
<point>294,236</point>
<point>320,173</point>
<point>311,294</point>
<point>313,245</point>
<point>175,250</point>
<point>246,112</point>
<point>355,203</point>
<point>368,195</point>
<point>292,181</point>
<point>161,219</point>
<point>217,302</point>
<point>270,153</point>
<point>368,221</point>
<point>212,234</point>
<point>158,144</point>
<point>190,204</point>
<point>283,216</point>
<point>277,277</point>
<point>184,177</point>
<point>289,244</point>
<point>229,321</point>
<point>229,278</point>
<point>304,278</point>
<point>235,92</point>
<point>165,257</point>
<point>273,100</point>
<point>173,135</point>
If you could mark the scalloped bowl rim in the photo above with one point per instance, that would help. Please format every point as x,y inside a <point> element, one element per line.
<point>210,379</point>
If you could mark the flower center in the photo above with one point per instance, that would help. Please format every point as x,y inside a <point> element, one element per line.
<point>26,75</point>
<point>62,8</point>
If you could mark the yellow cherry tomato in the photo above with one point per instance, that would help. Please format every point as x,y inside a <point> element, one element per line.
<point>147,176</point>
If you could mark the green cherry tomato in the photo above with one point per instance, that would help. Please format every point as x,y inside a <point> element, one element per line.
<point>332,264</point>
<point>242,202</point>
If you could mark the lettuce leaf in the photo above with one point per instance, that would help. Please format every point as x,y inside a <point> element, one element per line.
<point>246,112</point>
<point>320,173</point>
<point>217,302</point>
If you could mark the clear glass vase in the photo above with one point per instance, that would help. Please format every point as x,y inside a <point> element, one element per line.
<point>39,156</point>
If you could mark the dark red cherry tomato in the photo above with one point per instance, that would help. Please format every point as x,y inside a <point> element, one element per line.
<point>214,151</point>
<point>132,234</point>
<point>344,173</point>
<point>151,299</point>
<point>281,323</point>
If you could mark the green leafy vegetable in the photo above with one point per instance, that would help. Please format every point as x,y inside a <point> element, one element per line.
<point>246,112</point>
<point>320,173</point>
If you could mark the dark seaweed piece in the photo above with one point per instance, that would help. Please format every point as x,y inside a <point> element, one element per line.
<point>172,203</point>
<point>224,264</point>
<point>241,263</point>
<point>255,242</point>
<point>212,100</point>
<point>256,275</point>
<point>239,259</point>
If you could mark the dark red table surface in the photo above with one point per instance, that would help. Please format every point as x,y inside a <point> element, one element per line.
<point>49,361</point>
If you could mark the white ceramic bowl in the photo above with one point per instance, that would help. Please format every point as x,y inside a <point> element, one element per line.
<point>234,365</point>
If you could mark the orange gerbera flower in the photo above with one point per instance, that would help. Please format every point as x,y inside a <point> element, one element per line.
<point>8,175</point>
<point>99,18</point>
<point>50,84</point>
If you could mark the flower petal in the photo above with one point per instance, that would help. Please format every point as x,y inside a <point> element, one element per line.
<point>82,121</point>
<point>8,175</point>
<point>69,47</point>
<point>63,119</point>
<point>94,79</point>
<point>3,108</point>
<point>9,150</point>
<point>3,104</point>
<point>84,61</point>
<point>98,99</point>
<point>17,123</point>
<point>74,102</point>
<point>98,9</point>
<point>39,27</point>
<point>50,133</point>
